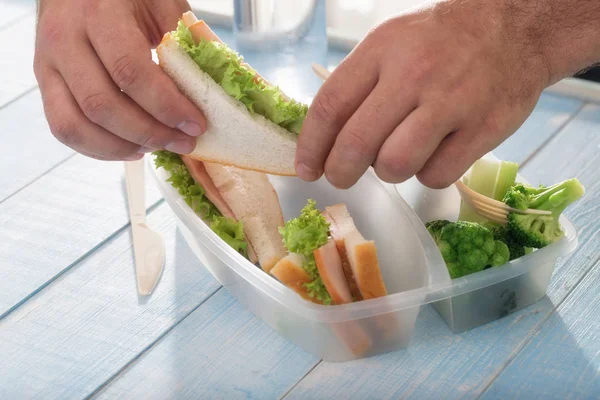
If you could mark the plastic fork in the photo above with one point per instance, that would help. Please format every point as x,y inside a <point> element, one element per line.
<point>320,71</point>
<point>489,208</point>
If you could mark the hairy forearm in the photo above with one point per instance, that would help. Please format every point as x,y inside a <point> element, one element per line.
<point>565,33</point>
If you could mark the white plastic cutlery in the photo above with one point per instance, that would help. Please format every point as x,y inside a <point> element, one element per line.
<point>148,246</point>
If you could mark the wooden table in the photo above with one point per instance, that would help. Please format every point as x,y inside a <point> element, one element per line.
<point>72,325</point>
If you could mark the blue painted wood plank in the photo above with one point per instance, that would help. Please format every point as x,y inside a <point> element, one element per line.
<point>49,225</point>
<point>550,114</point>
<point>220,351</point>
<point>442,365</point>
<point>24,131</point>
<point>364,377</point>
<point>562,361</point>
<point>574,153</point>
<point>90,323</point>
<point>17,70</point>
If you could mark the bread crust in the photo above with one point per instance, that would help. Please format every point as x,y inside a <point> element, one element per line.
<point>234,136</point>
<point>368,274</point>
<point>290,272</point>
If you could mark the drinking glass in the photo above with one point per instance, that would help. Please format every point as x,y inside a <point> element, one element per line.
<point>280,39</point>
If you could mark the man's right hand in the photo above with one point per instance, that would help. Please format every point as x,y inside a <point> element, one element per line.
<point>103,95</point>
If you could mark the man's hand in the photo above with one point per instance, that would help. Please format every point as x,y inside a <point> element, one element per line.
<point>103,95</point>
<point>428,93</point>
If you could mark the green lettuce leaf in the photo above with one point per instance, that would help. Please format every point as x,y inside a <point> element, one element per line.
<point>231,231</point>
<point>303,235</point>
<point>239,81</point>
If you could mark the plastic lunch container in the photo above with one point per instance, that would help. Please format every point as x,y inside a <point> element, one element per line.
<point>411,265</point>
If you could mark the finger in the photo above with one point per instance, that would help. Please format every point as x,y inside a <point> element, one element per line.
<point>126,55</point>
<point>167,13</point>
<point>359,141</point>
<point>339,97</point>
<point>105,105</point>
<point>454,156</point>
<point>72,128</point>
<point>413,141</point>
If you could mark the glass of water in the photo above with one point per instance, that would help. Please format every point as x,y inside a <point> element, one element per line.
<point>281,39</point>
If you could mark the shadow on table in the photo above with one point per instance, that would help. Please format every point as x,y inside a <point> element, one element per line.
<point>549,361</point>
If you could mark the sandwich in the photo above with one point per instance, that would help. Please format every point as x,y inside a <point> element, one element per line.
<point>252,131</point>
<point>240,206</point>
<point>329,261</point>
<point>252,124</point>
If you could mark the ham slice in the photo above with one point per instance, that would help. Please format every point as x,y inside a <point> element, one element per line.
<point>201,177</point>
<point>361,253</point>
<point>198,172</point>
<point>330,269</point>
<point>340,244</point>
<point>200,30</point>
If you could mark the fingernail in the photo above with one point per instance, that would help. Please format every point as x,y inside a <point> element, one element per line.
<point>144,150</point>
<point>306,173</point>
<point>181,146</point>
<point>190,128</point>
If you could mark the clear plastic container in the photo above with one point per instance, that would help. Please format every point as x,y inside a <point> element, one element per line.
<point>491,294</point>
<point>411,265</point>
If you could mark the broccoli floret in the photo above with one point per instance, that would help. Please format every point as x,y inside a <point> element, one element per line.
<point>501,254</point>
<point>467,247</point>
<point>502,234</point>
<point>435,227</point>
<point>537,231</point>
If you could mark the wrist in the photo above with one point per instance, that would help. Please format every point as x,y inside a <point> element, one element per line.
<point>563,36</point>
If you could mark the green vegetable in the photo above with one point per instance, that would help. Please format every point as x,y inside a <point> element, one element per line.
<point>467,247</point>
<point>538,231</point>
<point>490,178</point>
<point>231,231</point>
<point>502,234</point>
<point>303,235</point>
<point>241,82</point>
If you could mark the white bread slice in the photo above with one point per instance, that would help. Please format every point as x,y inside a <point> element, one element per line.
<point>252,199</point>
<point>289,271</point>
<point>198,172</point>
<point>330,269</point>
<point>362,254</point>
<point>234,136</point>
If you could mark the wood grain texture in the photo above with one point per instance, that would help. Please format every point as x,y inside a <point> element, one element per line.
<point>90,323</point>
<point>50,225</point>
<point>562,361</point>
<point>570,337</point>
<point>574,153</point>
<point>441,365</point>
<point>26,143</point>
<point>551,113</point>
<point>221,351</point>
<point>375,377</point>
<point>17,69</point>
